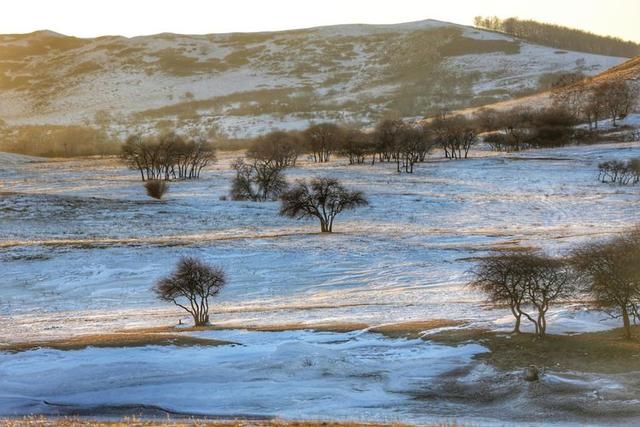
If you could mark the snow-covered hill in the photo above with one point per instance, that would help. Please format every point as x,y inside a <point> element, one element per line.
<point>242,84</point>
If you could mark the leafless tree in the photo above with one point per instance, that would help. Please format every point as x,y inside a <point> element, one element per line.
<point>548,280</point>
<point>322,140</point>
<point>617,97</point>
<point>610,271</point>
<point>191,286</point>
<point>168,156</point>
<point>414,145</point>
<point>455,134</point>
<point>257,181</point>
<point>522,280</point>
<point>499,277</point>
<point>387,140</point>
<point>281,148</point>
<point>356,145</point>
<point>323,198</point>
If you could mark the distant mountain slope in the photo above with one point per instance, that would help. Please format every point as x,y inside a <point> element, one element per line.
<point>243,84</point>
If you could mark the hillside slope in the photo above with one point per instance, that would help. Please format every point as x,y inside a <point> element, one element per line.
<point>628,71</point>
<point>243,84</point>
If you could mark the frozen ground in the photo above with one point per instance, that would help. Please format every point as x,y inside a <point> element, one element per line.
<point>308,375</point>
<point>81,245</point>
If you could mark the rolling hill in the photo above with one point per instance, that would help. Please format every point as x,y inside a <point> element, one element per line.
<point>628,71</point>
<point>241,84</point>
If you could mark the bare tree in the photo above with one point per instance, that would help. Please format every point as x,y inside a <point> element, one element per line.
<point>548,280</point>
<point>456,135</point>
<point>524,279</point>
<point>356,145</point>
<point>617,97</point>
<point>281,148</point>
<point>387,139</point>
<point>191,286</point>
<point>498,277</point>
<point>168,156</point>
<point>258,181</point>
<point>323,198</point>
<point>610,271</point>
<point>322,140</point>
<point>414,145</point>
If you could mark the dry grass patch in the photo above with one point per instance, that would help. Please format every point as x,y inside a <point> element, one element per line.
<point>599,352</point>
<point>318,327</point>
<point>414,329</point>
<point>115,340</point>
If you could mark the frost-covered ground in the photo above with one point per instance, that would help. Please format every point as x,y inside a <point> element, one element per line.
<point>81,245</point>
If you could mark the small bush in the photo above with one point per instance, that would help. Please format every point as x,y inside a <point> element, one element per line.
<point>156,188</point>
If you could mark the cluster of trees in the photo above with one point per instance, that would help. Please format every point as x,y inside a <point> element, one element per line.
<point>401,143</point>
<point>281,148</point>
<point>621,172</point>
<point>455,135</point>
<point>168,156</point>
<point>590,101</point>
<point>523,128</point>
<point>528,282</point>
<point>392,141</point>
<point>560,37</point>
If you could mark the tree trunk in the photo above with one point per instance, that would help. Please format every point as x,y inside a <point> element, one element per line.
<point>518,316</point>
<point>542,324</point>
<point>627,323</point>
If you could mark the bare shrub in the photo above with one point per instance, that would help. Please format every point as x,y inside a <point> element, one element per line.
<point>156,188</point>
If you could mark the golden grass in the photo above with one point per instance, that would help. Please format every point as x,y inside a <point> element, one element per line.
<point>600,352</point>
<point>414,329</point>
<point>114,340</point>
<point>281,327</point>
<point>411,329</point>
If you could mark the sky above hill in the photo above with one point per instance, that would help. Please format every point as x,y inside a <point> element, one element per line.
<point>91,18</point>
